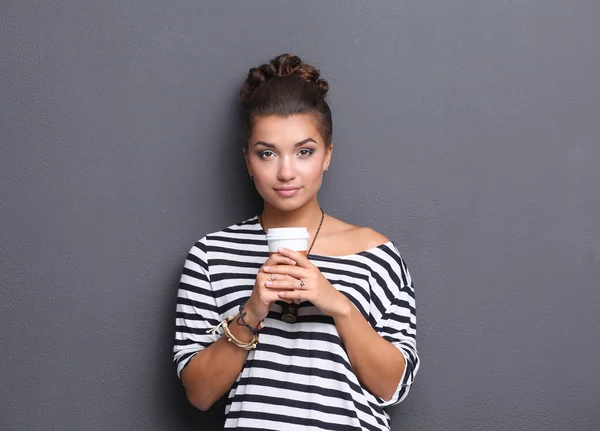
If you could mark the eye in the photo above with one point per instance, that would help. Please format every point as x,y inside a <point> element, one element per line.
<point>305,152</point>
<point>265,154</point>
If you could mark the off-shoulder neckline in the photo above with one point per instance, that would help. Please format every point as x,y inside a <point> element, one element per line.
<point>358,253</point>
<point>389,243</point>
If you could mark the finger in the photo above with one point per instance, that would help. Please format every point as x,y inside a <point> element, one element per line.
<point>271,296</point>
<point>300,259</point>
<point>293,294</point>
<point>279,277</point>
<point>282,284</point>
<point>292,271</point>
<point>278,259</point>
<point>268,284</point>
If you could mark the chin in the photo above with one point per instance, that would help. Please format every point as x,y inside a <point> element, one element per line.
<point>286,204</point>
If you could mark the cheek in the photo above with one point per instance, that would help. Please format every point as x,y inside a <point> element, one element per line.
<point>264,176</point>
<point>315,168</point>
<point>316,173</point>
<point>311,174</point>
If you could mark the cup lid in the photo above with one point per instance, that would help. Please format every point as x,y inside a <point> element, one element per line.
<point>287,232</point>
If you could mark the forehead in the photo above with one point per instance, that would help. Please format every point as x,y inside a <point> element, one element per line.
<point>285,130</point>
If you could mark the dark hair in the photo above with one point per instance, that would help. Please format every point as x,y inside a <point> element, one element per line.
<point>286,86</point>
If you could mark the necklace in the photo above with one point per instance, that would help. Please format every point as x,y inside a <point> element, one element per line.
<point>316,234</point>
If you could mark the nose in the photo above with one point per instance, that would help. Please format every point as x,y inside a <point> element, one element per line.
<point>286,170</point>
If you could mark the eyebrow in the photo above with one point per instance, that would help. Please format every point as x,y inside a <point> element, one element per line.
<point>298,144</point>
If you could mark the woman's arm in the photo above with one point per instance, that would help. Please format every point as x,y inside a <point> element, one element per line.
<point>212,371</point>
<point>378,355</point>
<point>215,363</point>
<point>378,364</point>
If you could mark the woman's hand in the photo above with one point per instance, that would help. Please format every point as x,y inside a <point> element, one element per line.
<point>261,298</point>
<point>316,289</point>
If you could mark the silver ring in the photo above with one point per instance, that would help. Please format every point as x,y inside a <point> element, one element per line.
<point>272,277</point>
<point>302,284</point>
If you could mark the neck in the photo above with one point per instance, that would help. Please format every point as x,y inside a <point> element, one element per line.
<point>307,216</point>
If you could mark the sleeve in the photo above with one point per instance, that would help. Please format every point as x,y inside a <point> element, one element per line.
<point>397,323</point>
<point>196,310</point>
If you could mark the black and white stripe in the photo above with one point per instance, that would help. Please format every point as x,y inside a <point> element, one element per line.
<point>300,376</point>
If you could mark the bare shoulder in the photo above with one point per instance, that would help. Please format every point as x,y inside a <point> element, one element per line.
<point>372,238</point>
<point>344,238</point>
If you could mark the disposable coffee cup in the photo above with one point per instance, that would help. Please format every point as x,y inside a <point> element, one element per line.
<point>292,238</point>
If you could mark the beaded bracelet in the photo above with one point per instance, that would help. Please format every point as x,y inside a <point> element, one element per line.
<point>231,338</point>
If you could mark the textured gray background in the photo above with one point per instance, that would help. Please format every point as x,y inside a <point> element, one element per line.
<point>467,131</point>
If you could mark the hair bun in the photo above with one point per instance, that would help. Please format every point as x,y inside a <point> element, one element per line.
<point>280,66</point>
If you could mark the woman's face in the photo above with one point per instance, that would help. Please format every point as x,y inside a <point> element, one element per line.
<point>287,157</point>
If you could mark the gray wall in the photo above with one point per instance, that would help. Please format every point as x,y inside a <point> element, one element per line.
<point>467,131</point>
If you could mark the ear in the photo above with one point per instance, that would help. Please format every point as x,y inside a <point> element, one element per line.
<point>328,153</point>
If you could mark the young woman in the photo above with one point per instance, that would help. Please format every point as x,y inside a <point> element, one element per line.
<point>351,352</point>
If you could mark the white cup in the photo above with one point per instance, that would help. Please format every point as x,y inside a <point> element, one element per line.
<point>293,238</point>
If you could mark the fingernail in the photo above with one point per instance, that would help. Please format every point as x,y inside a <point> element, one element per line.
<point>269,283</point>
<point>292,262</point>
<point>281,294</point>
<point>280,249</point>
<point>266,268</point>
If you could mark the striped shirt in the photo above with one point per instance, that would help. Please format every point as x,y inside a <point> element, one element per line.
<point>300,376</point>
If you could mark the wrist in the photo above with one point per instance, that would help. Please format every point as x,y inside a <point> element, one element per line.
<point>343,310</point>
<point>251,317</point>
<point>244,325</point>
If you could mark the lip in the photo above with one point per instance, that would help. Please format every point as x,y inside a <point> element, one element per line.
<point>287,191</point>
